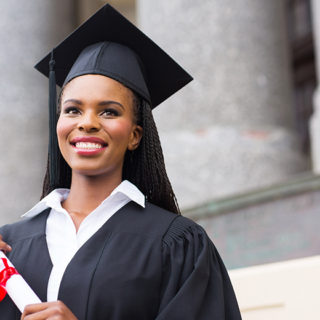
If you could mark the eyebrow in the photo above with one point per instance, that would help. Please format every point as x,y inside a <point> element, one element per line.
<point>102,103</point>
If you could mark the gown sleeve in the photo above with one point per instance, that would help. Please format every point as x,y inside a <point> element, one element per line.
<point>195,283</point>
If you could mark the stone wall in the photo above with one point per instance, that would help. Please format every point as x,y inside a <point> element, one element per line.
<point>28,30</point>
<point>230,130</point>
<point>268,225</point>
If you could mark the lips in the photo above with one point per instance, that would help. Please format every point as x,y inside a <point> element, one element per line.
<point>88,145</point>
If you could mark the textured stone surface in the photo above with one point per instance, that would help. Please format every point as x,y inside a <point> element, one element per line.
<point>236,52</point>
<point>220,161</point>
<point>231,129</point>
<point>278,230</point>
<point>28,30</point>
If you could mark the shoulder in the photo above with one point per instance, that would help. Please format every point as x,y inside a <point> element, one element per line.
<point>173,226</point>
<point>25,228</point>
<point>183,229</point>
<point>159,215</point>
<point>151,220</point>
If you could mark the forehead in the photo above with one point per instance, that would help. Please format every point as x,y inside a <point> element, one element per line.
<point>96,86</point>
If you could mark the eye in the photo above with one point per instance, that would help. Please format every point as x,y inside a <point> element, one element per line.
<point>110,112</point>
<point>71,110</point>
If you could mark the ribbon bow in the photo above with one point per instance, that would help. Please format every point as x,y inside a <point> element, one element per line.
<point>5,275</point>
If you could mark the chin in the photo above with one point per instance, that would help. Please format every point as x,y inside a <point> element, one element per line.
<point>89,172</point>
<point>97,171</point>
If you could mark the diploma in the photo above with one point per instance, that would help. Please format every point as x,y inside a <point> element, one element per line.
<point>11,282</point>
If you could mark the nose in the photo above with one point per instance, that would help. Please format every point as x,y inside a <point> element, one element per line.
<point>89,122</point>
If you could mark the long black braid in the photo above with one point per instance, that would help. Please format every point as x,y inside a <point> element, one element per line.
<point>144,166</point>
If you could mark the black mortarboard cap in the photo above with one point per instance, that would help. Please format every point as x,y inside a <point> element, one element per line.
<point>162,75</point>
<point>109,44</point>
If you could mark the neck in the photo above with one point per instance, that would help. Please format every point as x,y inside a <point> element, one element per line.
<point>87,192</point>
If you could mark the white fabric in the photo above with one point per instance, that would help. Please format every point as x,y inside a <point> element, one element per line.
<point>63,240</point>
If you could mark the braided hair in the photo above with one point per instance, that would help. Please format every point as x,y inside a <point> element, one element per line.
<point>144,166</point>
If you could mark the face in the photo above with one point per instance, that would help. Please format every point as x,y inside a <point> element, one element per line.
<point>96,125</point>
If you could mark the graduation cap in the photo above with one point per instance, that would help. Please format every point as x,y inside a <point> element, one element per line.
<point>108,44</point>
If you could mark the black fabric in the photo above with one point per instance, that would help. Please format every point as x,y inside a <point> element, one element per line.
<point>112,60</point>
<point>162,76</point>
<point>141,264</point>
<point>53,150</point>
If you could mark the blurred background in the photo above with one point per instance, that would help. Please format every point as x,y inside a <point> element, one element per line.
<point>241,142</point>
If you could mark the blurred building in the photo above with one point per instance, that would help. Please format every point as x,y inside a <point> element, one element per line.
<point>237,142</point>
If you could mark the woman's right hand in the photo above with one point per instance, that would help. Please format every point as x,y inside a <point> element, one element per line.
<point>4,246</point>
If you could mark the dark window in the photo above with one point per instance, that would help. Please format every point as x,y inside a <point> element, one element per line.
<point>303,65</point>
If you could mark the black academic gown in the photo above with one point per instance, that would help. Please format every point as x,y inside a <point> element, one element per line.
<point>142,264</point>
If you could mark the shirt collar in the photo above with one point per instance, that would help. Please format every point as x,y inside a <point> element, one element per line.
<point>54,198</point>
<point>130,191</point>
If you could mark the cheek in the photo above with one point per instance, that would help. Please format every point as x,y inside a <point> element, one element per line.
<point>120,130</point>
<point>64,127</point>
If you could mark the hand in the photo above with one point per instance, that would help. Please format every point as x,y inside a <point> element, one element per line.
<point>4,246</point>
<point>56,310</point>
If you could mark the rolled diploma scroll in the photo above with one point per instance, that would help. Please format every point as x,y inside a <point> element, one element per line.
<point>16,287</point>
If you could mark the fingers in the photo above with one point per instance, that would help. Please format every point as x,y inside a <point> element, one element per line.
<point>48,310</point>
<point>35,312</point>
<point>4,246</point>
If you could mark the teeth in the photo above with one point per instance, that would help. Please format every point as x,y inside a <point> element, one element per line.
<point>88,145</point>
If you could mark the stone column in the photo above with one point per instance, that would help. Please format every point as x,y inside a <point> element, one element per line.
<point>315,119</point>
<point>230,130</point>
<point>28,30</point>
<point>86,8</point>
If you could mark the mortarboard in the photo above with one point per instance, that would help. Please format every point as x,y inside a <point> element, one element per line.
<point>109,44</point>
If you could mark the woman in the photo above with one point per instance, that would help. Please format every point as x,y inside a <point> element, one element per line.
<point>109,243</point>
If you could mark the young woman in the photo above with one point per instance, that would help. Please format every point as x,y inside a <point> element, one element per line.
<point>109,243</point>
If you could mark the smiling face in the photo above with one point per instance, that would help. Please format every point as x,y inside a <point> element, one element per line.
<point>96,125</point>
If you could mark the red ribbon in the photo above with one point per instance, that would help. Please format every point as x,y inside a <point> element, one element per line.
<point>5,275</point>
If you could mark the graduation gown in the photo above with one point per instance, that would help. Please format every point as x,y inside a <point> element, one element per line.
<point>142,264</point>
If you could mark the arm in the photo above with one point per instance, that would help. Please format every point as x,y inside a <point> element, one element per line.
<point>195,285</point>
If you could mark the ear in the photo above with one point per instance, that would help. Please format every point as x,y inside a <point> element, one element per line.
<point>135,138</point>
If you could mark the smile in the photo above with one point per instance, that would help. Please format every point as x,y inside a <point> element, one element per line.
<point>88,145</point>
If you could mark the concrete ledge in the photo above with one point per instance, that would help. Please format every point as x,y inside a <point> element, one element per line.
<point>269,291</point>
<point>300,184</point>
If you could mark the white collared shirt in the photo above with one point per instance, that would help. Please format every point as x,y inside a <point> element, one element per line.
<point>62,238</point>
